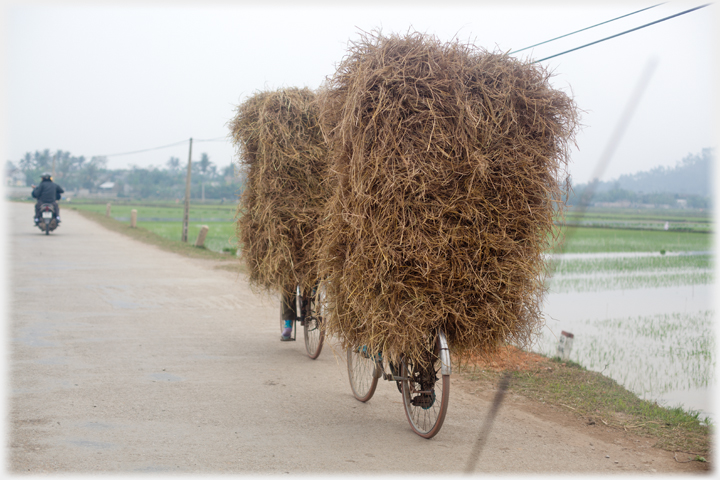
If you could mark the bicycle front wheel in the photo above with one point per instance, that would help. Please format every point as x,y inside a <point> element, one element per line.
<point>426,393</point>
<point>362,373</point>
<point>314,337</point>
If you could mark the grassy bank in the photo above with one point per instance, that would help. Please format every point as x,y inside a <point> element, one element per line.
<point>593,399</point>
<point>165,220</point>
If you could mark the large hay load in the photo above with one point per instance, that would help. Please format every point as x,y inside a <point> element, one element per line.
<point>281,148</point>
<point>447,163</point>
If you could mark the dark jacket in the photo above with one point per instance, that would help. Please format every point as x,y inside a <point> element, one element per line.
<point>48,192</point>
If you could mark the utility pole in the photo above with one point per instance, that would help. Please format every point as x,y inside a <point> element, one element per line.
<point>186,213</point>
<point>53,170</point>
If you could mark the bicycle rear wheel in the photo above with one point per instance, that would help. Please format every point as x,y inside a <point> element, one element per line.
<point>362,371</point>
<point>312,327</point>
<point>426,393</point>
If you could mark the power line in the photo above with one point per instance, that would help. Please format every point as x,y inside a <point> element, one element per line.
<point>623,33</point>
<point>586,28</point>
<point>145,150</point>
<point>217,139</point>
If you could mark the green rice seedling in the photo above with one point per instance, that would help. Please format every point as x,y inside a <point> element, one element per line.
<point>670,352</point>
<point>591,240</point>
<point>596,283</point>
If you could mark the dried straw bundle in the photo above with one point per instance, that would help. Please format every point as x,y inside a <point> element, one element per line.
<point>446,160</point>
<point>281,147</point>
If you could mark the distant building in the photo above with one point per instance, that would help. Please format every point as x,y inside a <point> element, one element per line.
<point>621,204</point>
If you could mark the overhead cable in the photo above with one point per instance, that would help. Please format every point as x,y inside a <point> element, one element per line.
<point>217,139</point>
<point>586,28</point>
<point>145,150</point>
<point>623,33</point>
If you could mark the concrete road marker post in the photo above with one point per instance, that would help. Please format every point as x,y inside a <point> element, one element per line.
<point>201,236</point>
<point>564,346</point>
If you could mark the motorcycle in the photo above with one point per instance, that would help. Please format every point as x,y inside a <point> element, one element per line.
<point>48,218</point>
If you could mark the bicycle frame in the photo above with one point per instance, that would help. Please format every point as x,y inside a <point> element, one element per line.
<point>445,367</point>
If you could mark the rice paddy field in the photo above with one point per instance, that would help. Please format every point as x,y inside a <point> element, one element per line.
<point>645,219</point>
<point>165,219</point>
<point>638,301</point>
<point>639,305</point>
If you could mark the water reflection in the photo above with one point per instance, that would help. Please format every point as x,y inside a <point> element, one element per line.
<point>649,328</point>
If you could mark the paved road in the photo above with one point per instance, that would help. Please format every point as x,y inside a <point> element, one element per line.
<point>125,358</point>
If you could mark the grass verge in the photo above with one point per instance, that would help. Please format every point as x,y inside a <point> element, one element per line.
<point>593,398</point>
<point>228,261</point>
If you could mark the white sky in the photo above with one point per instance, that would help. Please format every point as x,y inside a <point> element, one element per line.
<point>100,79</point>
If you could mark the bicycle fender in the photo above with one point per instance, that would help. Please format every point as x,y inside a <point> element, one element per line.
<point>445,367</point>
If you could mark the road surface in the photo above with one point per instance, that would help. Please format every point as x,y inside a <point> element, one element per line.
<point>127,359</point>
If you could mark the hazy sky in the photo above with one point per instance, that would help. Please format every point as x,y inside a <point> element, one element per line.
<point>100,80</point>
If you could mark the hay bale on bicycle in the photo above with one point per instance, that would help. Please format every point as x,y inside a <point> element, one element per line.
<point>447,163</point>
<point>282,151</point>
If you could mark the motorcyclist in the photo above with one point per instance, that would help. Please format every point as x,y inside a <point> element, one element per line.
<point>47,192</point>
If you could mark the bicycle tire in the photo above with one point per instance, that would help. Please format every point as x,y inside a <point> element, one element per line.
<point>423,410</point>
<point>362,371</point>
<point>312,329</point>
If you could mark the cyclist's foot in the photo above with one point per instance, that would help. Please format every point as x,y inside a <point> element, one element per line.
<point>287,331</point>
<point>58,219</point>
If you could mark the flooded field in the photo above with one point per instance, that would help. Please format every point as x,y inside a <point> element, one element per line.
<point>644,319</point>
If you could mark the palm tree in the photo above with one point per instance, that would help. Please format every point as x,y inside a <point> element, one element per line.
<point>204,165</point>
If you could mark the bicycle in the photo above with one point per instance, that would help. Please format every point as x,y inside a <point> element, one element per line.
<point>308,306</point>
<point>425,396</point>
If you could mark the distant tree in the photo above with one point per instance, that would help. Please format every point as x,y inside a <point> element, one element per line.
<point>228,171</point>
<point>204,163</point>
<point>173,164</point>
<point>43,161</point>
<point>691,175</point>
<point>91,172</point>
<point>26,163</point>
